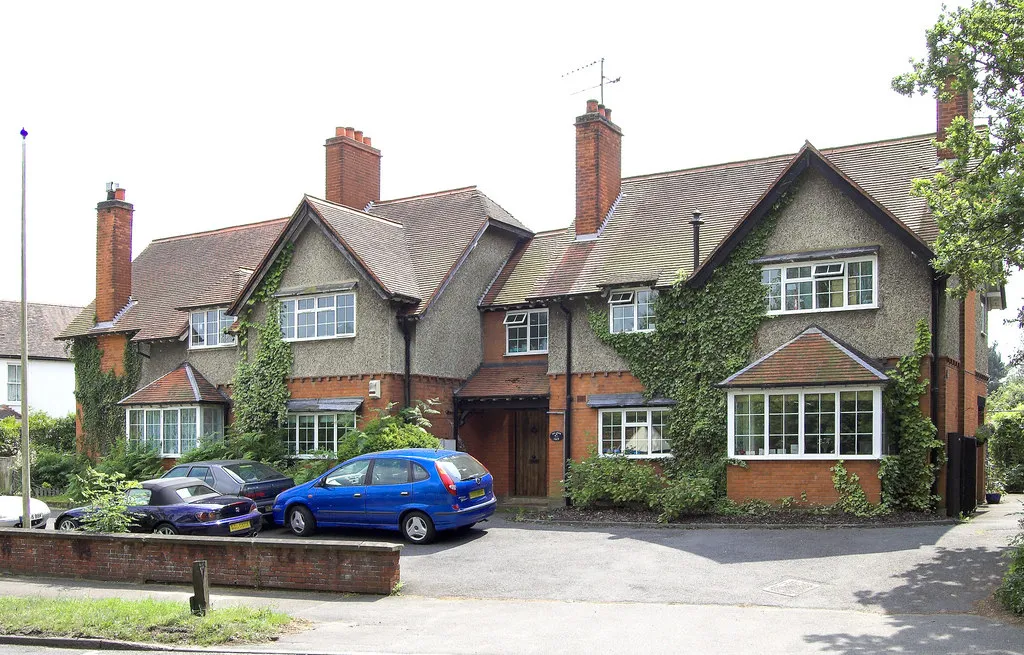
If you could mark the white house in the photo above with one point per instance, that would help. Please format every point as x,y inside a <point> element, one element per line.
<point>51,373</point>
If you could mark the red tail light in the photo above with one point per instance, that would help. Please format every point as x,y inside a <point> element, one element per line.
<point>446,479</point>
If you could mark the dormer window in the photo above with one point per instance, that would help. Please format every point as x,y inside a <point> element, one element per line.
<point>526,332</point>
<point>208,329</point>
<point>631,310</point>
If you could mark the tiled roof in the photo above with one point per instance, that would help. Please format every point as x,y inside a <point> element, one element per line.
<point>194,269</point>
<point>653,215</point>
<point>813,357</point>
<point>45,322</point>
<point>184,385</point>
<point>507,381</point>
<point>6,411</point>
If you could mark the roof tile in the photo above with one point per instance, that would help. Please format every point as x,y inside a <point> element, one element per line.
<point>184,385</point>
<point>507,381</point>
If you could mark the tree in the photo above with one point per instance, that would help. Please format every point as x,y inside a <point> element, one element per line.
<point>996,368</point>
<point>978,197</point>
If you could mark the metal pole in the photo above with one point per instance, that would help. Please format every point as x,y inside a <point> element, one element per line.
<point>26,477</point>
<point>602,80</point>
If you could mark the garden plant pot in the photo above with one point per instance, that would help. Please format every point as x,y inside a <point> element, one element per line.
<point>993,499</point>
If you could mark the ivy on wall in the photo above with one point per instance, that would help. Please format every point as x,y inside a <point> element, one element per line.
<point>703,336</point>
<point>908,476</point>
<point>98,393</point>
<point>259,389</point>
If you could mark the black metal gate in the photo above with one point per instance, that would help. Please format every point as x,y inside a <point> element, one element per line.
<point>961,475</point>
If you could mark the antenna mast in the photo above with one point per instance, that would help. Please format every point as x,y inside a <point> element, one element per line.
<point>601,81</point>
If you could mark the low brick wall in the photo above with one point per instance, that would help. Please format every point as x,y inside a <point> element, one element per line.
<point>345,566</point>
<point>773,480</point>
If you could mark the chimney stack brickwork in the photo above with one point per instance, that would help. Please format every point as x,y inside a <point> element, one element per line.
<point>598,167</point>
<point>113,255</point>
<point>353,169</point>
<point>960,104</point>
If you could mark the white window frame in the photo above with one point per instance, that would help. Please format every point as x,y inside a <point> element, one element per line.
<point>224,321</point>
<point>876,436</point>
<point>631,298</point>
<point>16,369</point>
<point>291,436</point>
<point>818,273</point>
<point>621,411</point>
<point>315,311</point>
<point>520,318</point>
<point>201,424</point>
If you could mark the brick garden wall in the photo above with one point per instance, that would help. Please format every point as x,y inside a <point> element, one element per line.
<point>263,564</point>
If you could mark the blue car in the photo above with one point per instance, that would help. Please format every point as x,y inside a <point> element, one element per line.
<point>417,491</point>
<point>180,506</point>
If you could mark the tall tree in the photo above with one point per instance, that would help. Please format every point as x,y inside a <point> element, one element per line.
<point>996,368</point>
<point>978,197</point>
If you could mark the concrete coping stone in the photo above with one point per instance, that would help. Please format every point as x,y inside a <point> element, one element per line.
<point>308,544</point>
<point>739,526</point>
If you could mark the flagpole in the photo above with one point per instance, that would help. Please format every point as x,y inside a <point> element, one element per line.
<point>26,476</point>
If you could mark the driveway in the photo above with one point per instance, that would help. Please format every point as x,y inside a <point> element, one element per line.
<point>924,569</point>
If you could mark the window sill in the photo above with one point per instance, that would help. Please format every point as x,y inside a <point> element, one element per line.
<point>819,458</point>
<point>827,310</point>
<point>531,352</point>
<point>657,456</point>
<point>633,331</point>
<point>337,336</point>
<point>219,346</point>
<point>312,456</point>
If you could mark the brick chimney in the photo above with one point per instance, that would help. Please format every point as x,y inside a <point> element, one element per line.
<point>959,104</point>
<point>353,169</point>
<point>113,254</point>
<point>598,167</point>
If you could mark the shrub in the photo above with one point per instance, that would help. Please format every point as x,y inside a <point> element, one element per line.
<point>44,431</point>
<point>615,480</point>
<point>1006,450</point>
<point>218,449</point>
<point>1013,479</point>
<point>133,462</point>
<point>54,469</point>
<point>108,502</point>
<point>304,470</point>
<point>1011,592</point>
<point>685,496</point>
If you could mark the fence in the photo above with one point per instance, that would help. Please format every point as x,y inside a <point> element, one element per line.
<point>6,466</point>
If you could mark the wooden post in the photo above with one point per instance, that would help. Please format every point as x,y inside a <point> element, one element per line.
<point>200,603</point>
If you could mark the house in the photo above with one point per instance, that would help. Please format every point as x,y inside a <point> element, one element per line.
<point>50,371</point>
<point>447,296</point>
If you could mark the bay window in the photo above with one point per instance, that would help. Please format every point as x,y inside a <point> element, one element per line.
<point>634,432</point>
<point>173,431</point>
<point>208,329</point>
<point>821,286</point>
<point>318,317</point>
<point>827,423</point>
<point>526,332</point>
<point>631,310</point>
<point>306,434</point>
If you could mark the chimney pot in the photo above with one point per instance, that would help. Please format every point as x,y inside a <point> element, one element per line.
<point>339,131</point>
<point>366,140</point>
<point>607,113</point>
<point>358,136</point>
<point>350,132</point>
<point>601,113</point>
<point>696,222</point>
<point>119,194</point>
<point>591,106</point>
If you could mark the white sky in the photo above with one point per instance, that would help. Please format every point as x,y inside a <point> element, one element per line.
<point>213,114</point>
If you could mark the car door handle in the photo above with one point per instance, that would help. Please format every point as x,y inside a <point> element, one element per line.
<point>357,495</point>
<point>404,493</point>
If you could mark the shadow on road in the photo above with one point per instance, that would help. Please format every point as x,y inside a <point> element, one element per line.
<point>950,583</point>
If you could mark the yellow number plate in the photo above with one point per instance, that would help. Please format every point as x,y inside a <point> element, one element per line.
<point>235,527</point>
<point>476,493</point>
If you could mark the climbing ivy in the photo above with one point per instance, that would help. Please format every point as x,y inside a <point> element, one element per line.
<point>908,476</point>
<point>703,335</point>
<point>98,392</point>
<point>259,389</point>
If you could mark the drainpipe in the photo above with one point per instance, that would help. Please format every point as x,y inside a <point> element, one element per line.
<point>696,222</point>
<point>567,438</point>
<point>938,285</point>
<point>407,383</point>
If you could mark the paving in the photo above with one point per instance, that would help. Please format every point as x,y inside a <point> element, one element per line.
<point>514,587</point>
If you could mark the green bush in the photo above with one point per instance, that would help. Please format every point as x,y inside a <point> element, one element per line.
<point>616,480</point>
<point>304,470</point>
<point>1011,591</point>
<point>218,449</point>
<point>108,501</point>
<point>44,431</point>
<point>1013,479</point>
<point>685,496</point>
<point>54,469</point>
<point>133,462</point>
<point>1006,450</point>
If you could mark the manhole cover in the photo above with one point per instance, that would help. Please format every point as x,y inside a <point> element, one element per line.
<point>791,587</point>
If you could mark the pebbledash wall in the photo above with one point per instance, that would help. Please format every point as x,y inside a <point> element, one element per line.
<point>352,567</point>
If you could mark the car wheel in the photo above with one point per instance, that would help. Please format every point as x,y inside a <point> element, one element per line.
<point>67,525</point>
<point>300,521</point>
<point>165,528</point>
<point>417,528</point>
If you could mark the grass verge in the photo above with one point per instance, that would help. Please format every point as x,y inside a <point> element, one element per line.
<point>137,620</point>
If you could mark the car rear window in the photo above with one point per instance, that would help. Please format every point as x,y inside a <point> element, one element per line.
<point>462,467</point>
<point>252,472</point>
<point>193,491</point>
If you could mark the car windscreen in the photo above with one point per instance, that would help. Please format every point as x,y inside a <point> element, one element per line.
<point>462,467</point>
<point>252,472</point>
<point>194,491</point>
<point>139,496</point>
